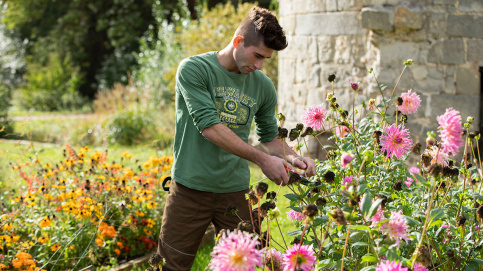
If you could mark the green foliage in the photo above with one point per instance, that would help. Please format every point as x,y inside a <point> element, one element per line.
<point>100,36</point>
<point>130,126</point>
<point>52,86</point>
<point>211,32</point>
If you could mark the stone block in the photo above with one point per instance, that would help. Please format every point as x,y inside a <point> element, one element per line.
<point>405,18</point>
<point>475,51</point>
<point>288,24</point>
<point>331,5</point>
<point>349,5</point>
<point>395,53</point>
<point>467,81</point>
<point>465,26</point>
<point>449,86</point>
<point>300,71</point>
<point>285,8</point>
<point>419,72</point>
<point>297,47</point>
<point>328,24</point>
<point>445,2</point>
<point>471,5</point>
<point>377,19</point>
<point>314,76</point>
<point>447,52</point>
<point>325,49</point>
<point>433,82</point>
<point>437,24</point>
<point>312,50</point>
<point>342,49</point>
<point>467,105</point>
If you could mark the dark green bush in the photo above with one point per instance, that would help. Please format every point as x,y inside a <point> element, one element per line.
<point>130,126</point>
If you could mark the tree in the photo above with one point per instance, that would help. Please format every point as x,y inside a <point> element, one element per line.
<point>100,36</point>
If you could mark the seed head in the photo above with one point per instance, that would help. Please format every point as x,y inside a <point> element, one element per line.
<point>338,216</point>
<point>450,254</point>
<point>397,186</point>
<point>245,225</point>
<point>435,170</point>
<point>424,256</point>
<point>299,126</point>
<point>331,78</point>
<point>461,220</point>
<point>293,177</point>
<point>329,176</point>
<point>310,211</point>
<point>426,159</point>
<point>155,260</point>
<point>271,195</point>
<point>416,148</point>
<point>265,207</point>
<point>252,197</point>
<point>399,101</point>
<point>294,133</point>
<point>321,202</point>
<point>260,189</point>
<point>282,132</point>
<point>307,131</point>
<point>479,212</point>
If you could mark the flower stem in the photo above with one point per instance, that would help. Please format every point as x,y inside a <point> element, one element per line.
<point>345,248</point>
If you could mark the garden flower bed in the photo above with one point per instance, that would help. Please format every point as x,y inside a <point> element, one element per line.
<point>368,208</point>
<point>82,212</point>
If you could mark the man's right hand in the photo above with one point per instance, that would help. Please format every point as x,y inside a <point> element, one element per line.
<point>275,169</point>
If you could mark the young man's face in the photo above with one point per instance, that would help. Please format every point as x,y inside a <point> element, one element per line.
<point>249,59</point>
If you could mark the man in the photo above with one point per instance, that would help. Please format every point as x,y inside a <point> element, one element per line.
<point>218,94</point>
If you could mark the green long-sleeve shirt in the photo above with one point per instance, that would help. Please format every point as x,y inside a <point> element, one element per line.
<point>206,94</point>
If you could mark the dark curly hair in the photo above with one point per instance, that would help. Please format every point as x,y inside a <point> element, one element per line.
<point>262,25</point>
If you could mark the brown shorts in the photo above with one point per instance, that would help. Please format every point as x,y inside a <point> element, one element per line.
<point>187,215</point>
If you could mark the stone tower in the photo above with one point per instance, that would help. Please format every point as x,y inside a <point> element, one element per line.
<point>347,37</point>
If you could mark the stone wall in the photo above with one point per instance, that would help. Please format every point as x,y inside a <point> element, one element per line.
<point>347,37</point>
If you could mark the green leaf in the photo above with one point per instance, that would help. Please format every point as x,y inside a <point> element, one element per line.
<point>436,223</point>
<point>366,203</point>
<point>437,214</point>
<point>360,227</point>
<point>295,232</point>
<point>411,221</point>
<point>329,147</point>
<point>368,268</point>
<point>360,244</point>
<point>422,180</point>
<point>374,207</point>
<point>370,259</point>
<point>292,197</point>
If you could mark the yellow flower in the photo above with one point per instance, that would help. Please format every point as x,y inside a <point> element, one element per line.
<point>151,205</point>
<point>126,155</point>
<point>147,231</point>
<point>15,238</point>
<point>55,247</point>
<point>139,214</point>
<point>7,226</point>
<point>45,222</point>
<point>72,247</point>
<point>3,267</point>
<point>43,239</point>
<point>151,223</point>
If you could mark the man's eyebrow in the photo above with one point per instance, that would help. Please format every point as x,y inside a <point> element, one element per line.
<point>261,56</point>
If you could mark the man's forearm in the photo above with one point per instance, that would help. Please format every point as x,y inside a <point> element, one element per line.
<point>226,139</point>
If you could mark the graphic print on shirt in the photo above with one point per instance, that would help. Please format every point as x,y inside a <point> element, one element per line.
<point>233,106</point>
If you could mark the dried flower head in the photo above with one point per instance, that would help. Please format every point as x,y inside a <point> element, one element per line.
<point>282,133</point>
<point>416,148</point>
<point>273,260</point>
<point>294,134</point>
<point>265,207</point>
<point>461,220</point>
<point>245,225</point>
<point>252,197</point>
<point>308,131</point>
<point>331,78</point>
<point>435,170</point>
<point>271,195</point>
<point>310,210</point>
<point>260,189</point>
<point>479,212</point>
<point>372,104</point>
<point>338,216</point>
<point>399,101</point>
<point>426,159</point>
<point>321,201</point>
<point>329,176</point>
<point>424,256</point>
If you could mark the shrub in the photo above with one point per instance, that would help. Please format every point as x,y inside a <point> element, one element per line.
<point>51,87</point>
<point>130,126</point>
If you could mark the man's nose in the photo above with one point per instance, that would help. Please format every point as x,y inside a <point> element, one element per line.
<point>259,64</point>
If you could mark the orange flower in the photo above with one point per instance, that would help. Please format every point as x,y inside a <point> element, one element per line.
<point>3,267</point>
<point>99,242</point>
<point>45,222</point>
<point>120,245</point>
<point>148,232</point>
<point>117,251</point>
<point>55,247</point>
<point>43,239</point>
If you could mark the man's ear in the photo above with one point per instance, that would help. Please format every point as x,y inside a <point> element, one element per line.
<point>237,41</point>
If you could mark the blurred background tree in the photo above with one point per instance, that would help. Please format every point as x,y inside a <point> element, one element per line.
<point>66,51</point>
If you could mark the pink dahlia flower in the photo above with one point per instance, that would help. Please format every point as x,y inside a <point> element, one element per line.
<point>419,267</point>
<point>411,102</point>
<point>396,228</point>
<point>346,159</point>
<point>314,117</point>
<point>378,217</point>
<point>438,156</point>
<point>273,260</point>
<point>294,215</point>
<point>299,256</point>
<point>235,251</point>
<point>396,141</point>
<point>390,266</point>
<point>450,130</point>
